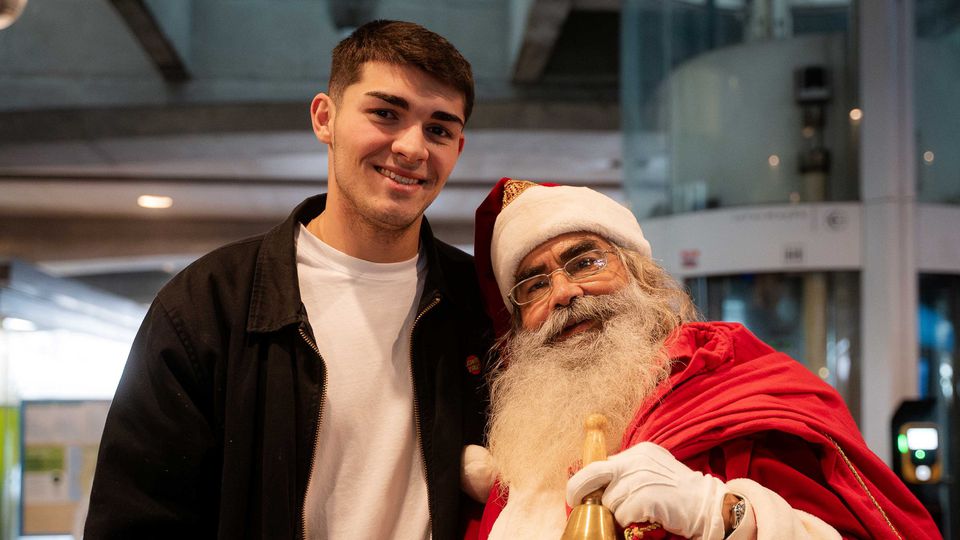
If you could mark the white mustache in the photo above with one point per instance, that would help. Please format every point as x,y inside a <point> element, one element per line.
<point>581,308</point>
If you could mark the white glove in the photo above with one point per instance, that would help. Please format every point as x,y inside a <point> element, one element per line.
<point>645,483</point>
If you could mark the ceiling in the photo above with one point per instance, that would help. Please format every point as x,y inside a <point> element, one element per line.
<point>205,101</point>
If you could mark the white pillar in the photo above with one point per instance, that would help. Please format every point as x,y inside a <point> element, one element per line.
<point>888,179</point>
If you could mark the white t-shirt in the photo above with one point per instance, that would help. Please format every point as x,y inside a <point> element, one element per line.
<point>368,478</point>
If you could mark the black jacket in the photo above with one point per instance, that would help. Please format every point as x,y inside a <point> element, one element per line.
<point>212,429</point>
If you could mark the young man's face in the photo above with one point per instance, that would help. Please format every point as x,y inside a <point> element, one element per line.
<point>394,138</point>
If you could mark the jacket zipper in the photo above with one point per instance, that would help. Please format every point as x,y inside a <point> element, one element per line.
<point>316,436</point>
<point>416,414</point>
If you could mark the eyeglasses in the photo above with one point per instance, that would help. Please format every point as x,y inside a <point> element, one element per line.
<point>576,269</point>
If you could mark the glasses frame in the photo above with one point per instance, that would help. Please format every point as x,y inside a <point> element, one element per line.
<point>561,268</point>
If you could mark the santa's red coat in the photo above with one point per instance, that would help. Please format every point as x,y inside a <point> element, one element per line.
<point>735,408</point>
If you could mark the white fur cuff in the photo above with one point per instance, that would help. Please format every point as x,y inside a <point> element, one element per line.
<point>477,472</point>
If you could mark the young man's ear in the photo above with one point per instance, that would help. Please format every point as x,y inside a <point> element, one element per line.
<point>322,111</point>
<point>463,140</point>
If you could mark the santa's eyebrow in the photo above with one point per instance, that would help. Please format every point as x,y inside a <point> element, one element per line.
<point>580,247</point>
<point>532,271</point>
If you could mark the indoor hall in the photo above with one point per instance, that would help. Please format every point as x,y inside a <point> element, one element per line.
<point>794,162</point>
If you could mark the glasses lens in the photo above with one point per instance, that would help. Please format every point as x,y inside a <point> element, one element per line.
<point>531,288</point>
<point>579,267</point>
<point>586,264</point>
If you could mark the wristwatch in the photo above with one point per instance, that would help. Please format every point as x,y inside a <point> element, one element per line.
<point>738,510</point>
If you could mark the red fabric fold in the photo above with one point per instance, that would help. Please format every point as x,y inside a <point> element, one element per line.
<point>729,385</point>
<point>736,408</point>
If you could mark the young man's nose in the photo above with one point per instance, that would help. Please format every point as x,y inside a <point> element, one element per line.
<point>411,144</point>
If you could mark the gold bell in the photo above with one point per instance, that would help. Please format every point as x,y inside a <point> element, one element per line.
<point>590,520</point>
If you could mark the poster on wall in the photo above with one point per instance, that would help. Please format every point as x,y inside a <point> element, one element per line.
<point>60,443</point>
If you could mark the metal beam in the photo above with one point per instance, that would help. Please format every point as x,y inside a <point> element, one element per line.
<point>544,23</point>
<point>155,42</point>
<point>597,5</point>
<point>20,127</point>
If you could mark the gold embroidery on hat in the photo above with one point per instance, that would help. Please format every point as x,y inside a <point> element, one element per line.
<point>513,188</point>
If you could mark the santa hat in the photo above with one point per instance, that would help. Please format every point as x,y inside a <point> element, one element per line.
<point>517,216</point>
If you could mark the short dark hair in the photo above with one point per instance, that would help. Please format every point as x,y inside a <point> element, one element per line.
<point>402,44</point>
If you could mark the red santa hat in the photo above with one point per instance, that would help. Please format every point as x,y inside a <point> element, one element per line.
<point>518,215</point>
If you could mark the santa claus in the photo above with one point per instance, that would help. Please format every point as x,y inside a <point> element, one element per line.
<point>713,433</point>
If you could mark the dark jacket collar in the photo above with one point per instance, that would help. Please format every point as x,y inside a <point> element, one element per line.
<point>275,297</point>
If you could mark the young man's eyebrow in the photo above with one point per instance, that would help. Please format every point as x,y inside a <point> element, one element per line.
<point>446,117</point>
<point>398,101</point>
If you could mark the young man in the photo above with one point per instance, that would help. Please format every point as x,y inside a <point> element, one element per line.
<point>715,434</point>
<point>321,380</point>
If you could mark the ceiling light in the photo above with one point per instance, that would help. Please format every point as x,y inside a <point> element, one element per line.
<point>10,11</point>
<point>154,201</point>
<point>14,324</point>
<point>856,115</point>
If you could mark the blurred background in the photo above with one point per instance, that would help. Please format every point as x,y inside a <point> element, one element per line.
<point>795,162</point>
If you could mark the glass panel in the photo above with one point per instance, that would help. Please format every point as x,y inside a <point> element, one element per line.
<point>937,65</point>
<point>813,317</point>
<point>938,318</point>
<point>729,103</point>
<point>9,444</point>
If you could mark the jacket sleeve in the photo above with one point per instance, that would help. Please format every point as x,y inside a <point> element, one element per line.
<point>156,474</point>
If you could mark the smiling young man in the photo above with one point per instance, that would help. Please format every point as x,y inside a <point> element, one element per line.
<point>321,380</point>
<point>712,433</point>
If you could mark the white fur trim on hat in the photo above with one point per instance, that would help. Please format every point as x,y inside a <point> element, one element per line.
<point>541,213</point>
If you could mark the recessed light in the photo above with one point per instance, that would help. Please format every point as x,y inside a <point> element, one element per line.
<point>17,325</point>
<point>154,201</point>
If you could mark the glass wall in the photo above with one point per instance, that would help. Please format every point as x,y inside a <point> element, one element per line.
<point>937,72</point>
<point>813,317</point>
<point>735,102</point>
<point>938,319</point>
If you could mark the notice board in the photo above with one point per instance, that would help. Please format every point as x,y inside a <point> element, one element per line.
<point>59,454</point>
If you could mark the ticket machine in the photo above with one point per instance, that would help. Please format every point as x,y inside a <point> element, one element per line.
<point>920,455</point>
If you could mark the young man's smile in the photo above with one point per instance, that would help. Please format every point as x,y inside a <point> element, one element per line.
<point>401,177</point>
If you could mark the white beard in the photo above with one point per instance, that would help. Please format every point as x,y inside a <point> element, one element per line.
<point>541,397</point>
